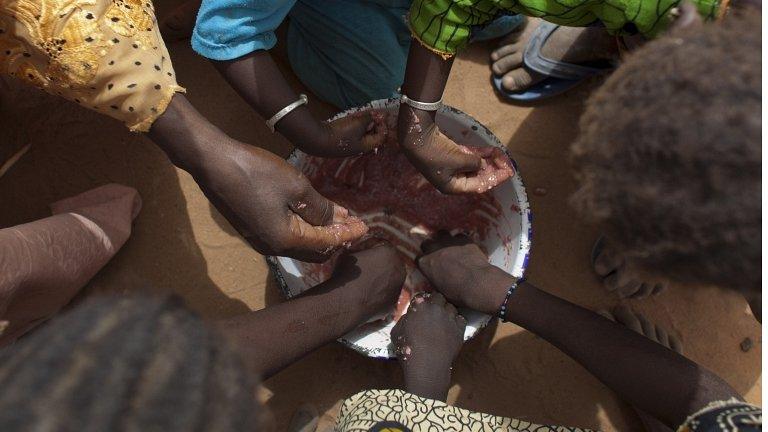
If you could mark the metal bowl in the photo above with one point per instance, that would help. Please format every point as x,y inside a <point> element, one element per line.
<point>508,245</point>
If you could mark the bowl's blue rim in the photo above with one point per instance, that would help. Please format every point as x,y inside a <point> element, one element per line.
<point>525,209</point>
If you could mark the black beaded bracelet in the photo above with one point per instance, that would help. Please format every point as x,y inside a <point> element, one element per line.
<point>503,310</point>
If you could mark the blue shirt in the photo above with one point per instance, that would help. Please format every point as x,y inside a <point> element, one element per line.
<point>228,29</point>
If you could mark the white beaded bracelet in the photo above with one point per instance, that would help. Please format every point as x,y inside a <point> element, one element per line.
<point>424,106</point>
<point>303,100</point>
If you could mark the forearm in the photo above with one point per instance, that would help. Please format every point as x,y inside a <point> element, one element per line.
<point>426,75</point>
<point>189,139</point>
<point>431,381</point>
<point>258,80</point>
<point>277,336</point>
<point>647,375</point>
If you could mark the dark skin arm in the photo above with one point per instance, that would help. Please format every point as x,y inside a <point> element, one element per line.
<point>364,284</point>
<point>266,200</point>
<point>258,80</point>
<point>427,340</point>
<point>647,375</point>
<point>451,168</point>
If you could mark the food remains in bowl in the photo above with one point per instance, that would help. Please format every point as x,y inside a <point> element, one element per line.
<point>398,204</point>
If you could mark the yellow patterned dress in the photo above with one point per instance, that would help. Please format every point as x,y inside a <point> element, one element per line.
<point>106,55</point>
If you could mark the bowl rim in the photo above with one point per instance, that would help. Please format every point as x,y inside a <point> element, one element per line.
<point>526,215</point>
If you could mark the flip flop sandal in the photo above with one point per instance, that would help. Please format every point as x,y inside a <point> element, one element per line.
<point>561,76</point>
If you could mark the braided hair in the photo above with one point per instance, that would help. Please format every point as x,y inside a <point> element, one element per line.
<point>125,364</point>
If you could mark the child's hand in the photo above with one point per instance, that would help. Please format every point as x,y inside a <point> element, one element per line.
<point>451,168</point>
<point>355,134</point>
<point>427,339</point>
<point>460,270</point>
<point>274,206</point>
<point>376,266</point>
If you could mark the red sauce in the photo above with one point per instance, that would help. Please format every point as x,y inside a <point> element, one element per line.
<point>385,190</point>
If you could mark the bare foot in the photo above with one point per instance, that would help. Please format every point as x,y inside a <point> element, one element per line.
<point>578,45</point>
<point>180,22</point>
<point>621,278</point>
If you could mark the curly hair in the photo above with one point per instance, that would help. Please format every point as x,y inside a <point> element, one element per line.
<point>669,155</point>
<point>125,364</point>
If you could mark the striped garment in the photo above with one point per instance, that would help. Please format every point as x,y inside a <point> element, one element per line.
<point>445,26</point>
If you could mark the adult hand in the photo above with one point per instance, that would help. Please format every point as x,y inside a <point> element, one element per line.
<point>266,200</point>
<point>427,340</point>
<point>451,168</point>
<point>274,206</point>
<point>460,270</point>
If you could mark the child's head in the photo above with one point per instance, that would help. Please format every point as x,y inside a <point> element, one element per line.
<point>125,364</point>
<point>669,157</point>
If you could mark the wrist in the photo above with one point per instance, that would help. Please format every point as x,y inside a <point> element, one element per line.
<point>317,139</point>
<point>430,379</point>
<point>412,126</point>
<point>495,282</point>
<point>524,304</point>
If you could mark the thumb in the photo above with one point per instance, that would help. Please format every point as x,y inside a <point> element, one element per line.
<point>316,209</point>
<point>324,239</point>
<point>368,128</point>
<point>466,160</point>
<point>456,157</point>
<point>464,178</point>
<point>375,130</point>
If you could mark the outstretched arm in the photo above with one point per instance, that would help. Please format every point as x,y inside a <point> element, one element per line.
<point>365,283</point>
<point>270,203</point>
<point>649,376</point>
<point>258,80</point>
<point>646,374</point>
<point>450,167</point>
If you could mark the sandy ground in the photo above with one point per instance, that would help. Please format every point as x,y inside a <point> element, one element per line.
<point>182,244</point>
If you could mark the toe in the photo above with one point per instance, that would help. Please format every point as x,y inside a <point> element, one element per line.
<point>629,289</point>
<point>644,291</point>
<point>659,287</point>
<point>649,330</point>
<point>675,344</point>
<point>504,51</point>
<point>611,282</point>
<point>607,261</point>
<point>621,281</point>
<point>520,79</point>
<point>507,63</point>
<point>662,337</point>
<point>605,314</point>
<point>625,316</point>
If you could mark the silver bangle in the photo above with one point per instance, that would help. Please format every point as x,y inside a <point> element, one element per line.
<point>303,100</point>
<point>424,106</point>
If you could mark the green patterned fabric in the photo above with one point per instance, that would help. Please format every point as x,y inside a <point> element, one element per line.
<point>444,26</point>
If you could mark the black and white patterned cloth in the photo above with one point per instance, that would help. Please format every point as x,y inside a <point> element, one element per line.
<point>400,411</point>
<point>725,416</point>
